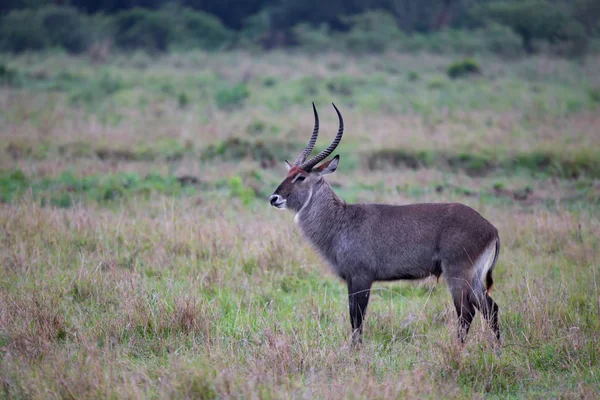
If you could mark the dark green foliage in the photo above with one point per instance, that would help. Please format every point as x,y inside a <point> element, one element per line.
<point>45,27</point>
<point>22,31</point>
<point>372,31</point>
<point>463,68</point>
<point>156,31</point>
<point>538,20</point>
<point>587,13</point>
<point>11,183</point>
<point>463,26</point>
<point>198,29</point>
<point>66,27</point>
<point>413,76</point>
<point>595,95</point>
<point>499,39</point>
<point>183,100</point>
<point>143,29</point>
<point>288,13</point>
<point>233,13</point>
<point>9,76</point>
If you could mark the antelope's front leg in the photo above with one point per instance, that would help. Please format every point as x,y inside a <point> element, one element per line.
<point>358,299</point>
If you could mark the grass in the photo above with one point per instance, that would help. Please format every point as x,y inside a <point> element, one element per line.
<point>140,257</point>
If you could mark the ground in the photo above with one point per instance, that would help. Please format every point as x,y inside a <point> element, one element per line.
<point>140,257</point>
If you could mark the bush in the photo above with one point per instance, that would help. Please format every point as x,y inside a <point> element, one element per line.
<point>9,76</point>
<point>500,39</point>
<point>52,26</point>
<point>139,28</point>
<point>594,94</point>
<point>463,68</point>
<point>369,32</point>
<point>66,28</point>
<point>539,20</point>
<point>203,30</point>
<point>314,39</point>
<point>156,31</point>
<point>372,31</point>
<point>572,40</point>
<point>493,38</point>
<point>22,31</point>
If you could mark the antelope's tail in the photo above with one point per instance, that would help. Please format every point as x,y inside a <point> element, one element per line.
<point>489,280</point>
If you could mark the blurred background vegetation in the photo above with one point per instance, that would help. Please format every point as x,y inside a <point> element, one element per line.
<point>510,28</point>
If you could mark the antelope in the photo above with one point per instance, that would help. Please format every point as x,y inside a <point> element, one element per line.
<point>365,243</point>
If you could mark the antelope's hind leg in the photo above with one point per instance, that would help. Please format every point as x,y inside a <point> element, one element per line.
<point>461,291</point>
<point>489,309</point>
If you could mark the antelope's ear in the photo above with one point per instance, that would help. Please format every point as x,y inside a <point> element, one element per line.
<point>328,167</point>
<point>288,165</point>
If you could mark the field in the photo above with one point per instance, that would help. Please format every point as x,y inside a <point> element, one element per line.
<point>140,257</point>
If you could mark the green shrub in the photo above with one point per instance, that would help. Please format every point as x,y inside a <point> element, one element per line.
<point>413,76</point>
<point>539,20</point>
<point>587,13</point>
<point>231,97</point>
<point>500,39</point>
<point>157,30</point>
<point>594,94</point>
<point>572,40</point>
<point>183,100</point>
<point>492,38</point>
<point>315,39</point>
<point>371,32</point>
<point>52,26</point>
<point>22,30</point>
<point>463,68</point>
<point>9,76</point>
<point>143,29</point>
<point>12,183</point>
<point>199,29</point>
<point>66,27</point>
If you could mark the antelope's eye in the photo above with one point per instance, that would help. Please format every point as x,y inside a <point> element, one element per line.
<point>299,178</point>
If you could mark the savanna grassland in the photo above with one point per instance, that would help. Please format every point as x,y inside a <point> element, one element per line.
<point>140,257</point>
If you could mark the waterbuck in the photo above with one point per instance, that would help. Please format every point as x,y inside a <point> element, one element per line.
<point>364,243</point>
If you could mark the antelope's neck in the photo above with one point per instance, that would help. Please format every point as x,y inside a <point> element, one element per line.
<point>320,218</point>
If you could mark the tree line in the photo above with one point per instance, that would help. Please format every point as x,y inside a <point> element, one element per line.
<point>158,25</point>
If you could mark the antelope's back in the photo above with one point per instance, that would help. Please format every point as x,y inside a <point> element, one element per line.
<point>417,237</point>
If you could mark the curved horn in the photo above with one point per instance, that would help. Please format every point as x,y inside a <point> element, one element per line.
<point>311,143</point>
<point>307,166</point>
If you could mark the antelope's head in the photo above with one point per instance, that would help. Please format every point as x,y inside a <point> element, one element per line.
<point>297,188</point>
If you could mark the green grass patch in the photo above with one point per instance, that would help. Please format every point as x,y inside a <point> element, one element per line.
<point>463,68</point>
<point>66,189</point>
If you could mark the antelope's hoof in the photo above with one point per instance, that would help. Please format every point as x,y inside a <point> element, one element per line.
<point>356,339</point>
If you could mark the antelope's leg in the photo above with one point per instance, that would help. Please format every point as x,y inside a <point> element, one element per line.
<point>489,310</point>
<point>462,296</point>
<point>359,291</point>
